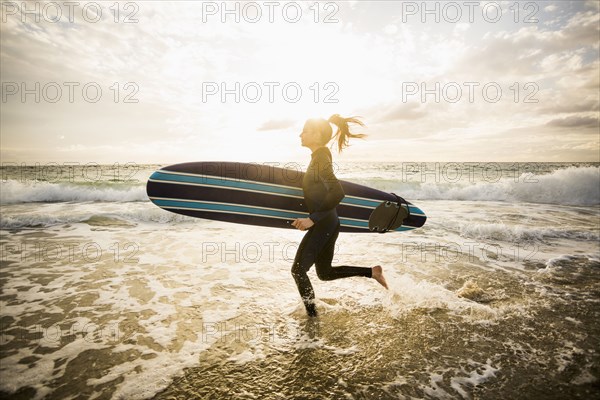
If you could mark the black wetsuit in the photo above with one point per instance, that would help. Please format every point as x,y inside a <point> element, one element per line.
<point>322,193</point>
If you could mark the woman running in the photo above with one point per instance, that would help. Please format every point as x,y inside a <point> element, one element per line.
<point>322,193</point>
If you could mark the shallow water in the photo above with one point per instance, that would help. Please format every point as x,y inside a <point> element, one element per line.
<point>112,298</point>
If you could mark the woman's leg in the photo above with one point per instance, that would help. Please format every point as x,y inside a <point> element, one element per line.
<point>299,272</point>
<point>326,272</point>
<point>311,246</point>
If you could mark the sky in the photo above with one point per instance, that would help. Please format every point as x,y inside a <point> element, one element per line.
<point>179,81</point>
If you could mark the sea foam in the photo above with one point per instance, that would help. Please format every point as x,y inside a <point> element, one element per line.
<point>568,186</point>
<point>14,191</point>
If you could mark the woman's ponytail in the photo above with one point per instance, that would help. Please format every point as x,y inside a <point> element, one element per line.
<point>343,132</point>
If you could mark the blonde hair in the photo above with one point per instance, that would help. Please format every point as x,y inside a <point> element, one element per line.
<point>342,134</point>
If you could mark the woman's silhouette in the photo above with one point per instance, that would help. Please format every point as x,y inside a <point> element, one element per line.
<point>322,193</point>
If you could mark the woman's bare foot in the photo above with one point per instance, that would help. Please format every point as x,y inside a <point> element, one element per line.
<point>377,274</point>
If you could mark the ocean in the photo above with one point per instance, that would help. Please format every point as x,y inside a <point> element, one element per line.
<point>106,296</point>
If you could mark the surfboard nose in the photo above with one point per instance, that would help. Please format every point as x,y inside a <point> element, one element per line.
<point>151,187</point>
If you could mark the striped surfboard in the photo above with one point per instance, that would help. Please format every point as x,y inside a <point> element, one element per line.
<point>259,194</point>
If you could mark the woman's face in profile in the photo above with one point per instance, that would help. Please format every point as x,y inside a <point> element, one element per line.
<point>309,135</point>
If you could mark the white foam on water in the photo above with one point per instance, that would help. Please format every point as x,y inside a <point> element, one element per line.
<point>565,354</point>
<point>43,371</point>
<point>567,186</point>
<point>407,295</point>
<point>434,389</point>
<point>52,214</point>
<point>516,233</point>
<point>585,376</point>
<point>554,262</point>
<point>14,191</point>
<point>247,356</point>
<point>480,374</point>
<point>462,380</point>
<point>155,374</point>
<point>344,351</point>
<point>573,320</point>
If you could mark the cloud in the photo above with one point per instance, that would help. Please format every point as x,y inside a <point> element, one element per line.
<point>170,54</point>
<point>574,121</point>
<point>403,111</point>
<point>593,4</point>
<point>277,124</point>
<point>571,105</point>
<point>520,54</point>
<point>574,91</point>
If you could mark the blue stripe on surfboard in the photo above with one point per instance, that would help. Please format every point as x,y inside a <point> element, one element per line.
<point>261,187</point>
<point>255,211</point>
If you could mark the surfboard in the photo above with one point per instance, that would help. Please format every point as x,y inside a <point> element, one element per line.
<point>265,195</point>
